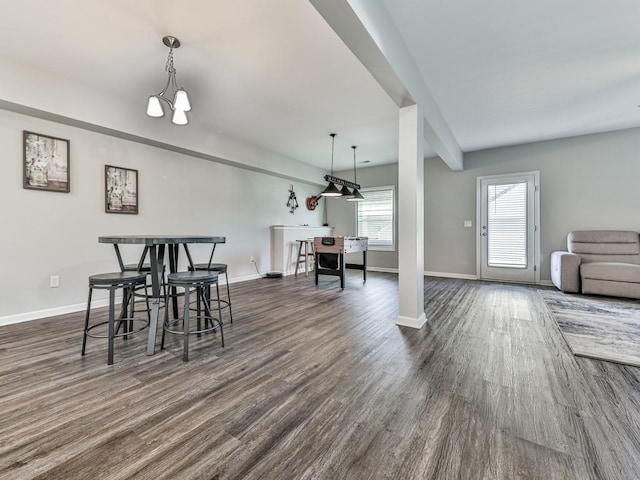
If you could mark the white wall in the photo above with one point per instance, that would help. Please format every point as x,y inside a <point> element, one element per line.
<point>342,214</point>
<point>49,233</point>
<point>587,182</point>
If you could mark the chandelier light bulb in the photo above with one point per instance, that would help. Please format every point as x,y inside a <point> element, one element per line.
<point>181,101</point>
<point>179,117</point>
<point>154,109</point>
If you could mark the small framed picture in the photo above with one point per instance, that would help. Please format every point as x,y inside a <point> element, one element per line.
<point>45,162</point>
<point>120,190</point>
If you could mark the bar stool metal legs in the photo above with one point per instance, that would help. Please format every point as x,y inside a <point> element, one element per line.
<point>128,282</point>
<point>226,302</point>
<point>218,268</point>
<point>198,282</point>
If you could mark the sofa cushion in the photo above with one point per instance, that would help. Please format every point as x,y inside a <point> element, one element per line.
<point>618,272</point>
<point>603,236</point>
<point>605,246</point>
<point>611,289</point>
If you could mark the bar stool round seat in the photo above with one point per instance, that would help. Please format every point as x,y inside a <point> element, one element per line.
<point>219,268</point>
<point>116,278</point>
<point>113,281</point>
<point>195,277</point>
<point>200,282</point>
<point>214,267</point>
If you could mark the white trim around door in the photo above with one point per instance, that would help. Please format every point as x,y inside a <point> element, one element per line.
<point>529,271</point>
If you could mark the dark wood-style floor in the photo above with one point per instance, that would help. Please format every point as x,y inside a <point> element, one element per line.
<point>319,383</point>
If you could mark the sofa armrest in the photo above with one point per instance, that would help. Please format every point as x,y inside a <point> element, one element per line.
<point>565,271</point>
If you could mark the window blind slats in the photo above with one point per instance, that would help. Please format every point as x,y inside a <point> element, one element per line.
<point>507,225</point>
<point>375,217</point>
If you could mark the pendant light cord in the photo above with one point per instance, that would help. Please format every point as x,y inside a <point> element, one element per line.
<point>333,141</point>
<point>355,180</point>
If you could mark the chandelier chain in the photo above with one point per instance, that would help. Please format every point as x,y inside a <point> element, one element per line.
<point>169,65</point>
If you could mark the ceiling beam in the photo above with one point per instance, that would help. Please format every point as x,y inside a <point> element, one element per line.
<point>367,29</point>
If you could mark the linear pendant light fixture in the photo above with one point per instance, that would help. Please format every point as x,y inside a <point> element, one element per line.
<point>332,190</point>
<point>171,94</point>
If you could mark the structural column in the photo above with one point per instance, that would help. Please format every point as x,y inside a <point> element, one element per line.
<point>411,218</point>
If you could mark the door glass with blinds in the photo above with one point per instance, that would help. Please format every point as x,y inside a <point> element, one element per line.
<point>507,228</point>
<point>507,225</point>
<point>375,217</point>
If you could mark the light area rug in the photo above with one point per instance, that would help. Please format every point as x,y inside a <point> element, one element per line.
<point>603,328</point>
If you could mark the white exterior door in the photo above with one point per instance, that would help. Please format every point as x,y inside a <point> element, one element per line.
<point>508,235</point>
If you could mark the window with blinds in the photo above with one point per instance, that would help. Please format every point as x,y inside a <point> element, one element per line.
<point>375,217</point>
<point>507,225</point>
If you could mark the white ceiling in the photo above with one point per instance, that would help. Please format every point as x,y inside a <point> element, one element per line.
<point>507,72</point>
<point>273,73</point>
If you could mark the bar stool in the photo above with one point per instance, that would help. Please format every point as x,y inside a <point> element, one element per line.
<point>218,268</point>
<point>201,282</point>
<point>128,282</point>
<point>305,255</point>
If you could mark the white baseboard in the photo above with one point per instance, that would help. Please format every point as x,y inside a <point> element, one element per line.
<point>411,322</point>
<point>463,276</point>
<point>243,278</point>
<point>52,312</point>
<point>382,269</point>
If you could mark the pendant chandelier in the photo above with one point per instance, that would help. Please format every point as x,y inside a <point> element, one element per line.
<point>332,190</point>
<point>175,97</point>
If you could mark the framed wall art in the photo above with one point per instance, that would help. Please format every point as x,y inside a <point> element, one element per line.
<point>120,190</point>
<point>45,162</point>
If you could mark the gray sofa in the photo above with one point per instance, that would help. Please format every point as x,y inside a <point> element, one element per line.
<point>599,262</point>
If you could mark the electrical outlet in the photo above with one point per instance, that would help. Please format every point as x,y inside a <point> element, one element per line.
<point>54,281</point>
<point>252,259</point>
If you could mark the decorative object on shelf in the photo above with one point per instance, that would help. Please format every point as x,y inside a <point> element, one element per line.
<point>312,202</point>
<point>45,163</point>
<point>177,98</point>
<point>332,190</point>
<point>292,203</point>
<point>120,190</point>
<point>356,196</point>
